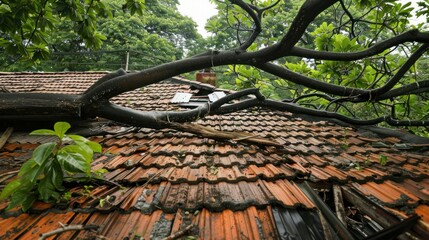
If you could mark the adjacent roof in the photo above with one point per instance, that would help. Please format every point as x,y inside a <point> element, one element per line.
<point>175,183</point>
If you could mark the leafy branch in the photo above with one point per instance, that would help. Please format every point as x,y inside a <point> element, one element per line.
<point>42,176</point>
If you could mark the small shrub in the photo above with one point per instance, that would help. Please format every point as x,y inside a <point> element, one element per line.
<point>42,176</point>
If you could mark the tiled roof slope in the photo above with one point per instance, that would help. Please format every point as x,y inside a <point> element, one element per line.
<point>174,182</point>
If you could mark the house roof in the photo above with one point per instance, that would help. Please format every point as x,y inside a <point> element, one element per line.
<point>176,183</point>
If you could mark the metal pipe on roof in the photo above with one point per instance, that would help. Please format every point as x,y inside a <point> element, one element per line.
<point>326,211</point>
<point>127,60</point>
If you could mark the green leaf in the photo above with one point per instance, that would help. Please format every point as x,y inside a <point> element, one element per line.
<point>43,132</point>
<point>46,186</point>
<point>43,152</point>
<point>61,128</point>
<point>101,202</point>
<point>77,138</point>
<point>96,147</point>
<point>27,167</point>
<point>82,149</point>
<point>29,171</point>
<point>23,196</point>
<point>72,162</point>
<point>10,189</point>
<point>28,202</point>
<point>57,176</point>
<point>86,151</point>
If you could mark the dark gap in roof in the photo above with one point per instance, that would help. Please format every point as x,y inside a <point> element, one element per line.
<point>369,214</point>
<point>364,219</point>
<point>359,223</point>
<point>297,224</point>
<point>313,194</point>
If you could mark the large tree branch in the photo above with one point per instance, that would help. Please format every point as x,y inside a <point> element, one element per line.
<point>398,76</point>
<point>410,36</point>
<point>307,13</point>
<point>412,88</point>
<point>159,119</point>
<point>309,82</point>
<point>293,108</point>
<point>19,105</point>
<point>163,119</point>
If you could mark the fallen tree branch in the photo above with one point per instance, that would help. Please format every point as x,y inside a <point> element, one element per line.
<point>209,132</point>
<point>66,228</point>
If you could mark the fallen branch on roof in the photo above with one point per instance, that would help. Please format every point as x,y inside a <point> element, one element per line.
<point>209,132</point>
<point>65,228</point>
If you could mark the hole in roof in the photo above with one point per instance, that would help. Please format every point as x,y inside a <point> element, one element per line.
<point>363,217</point>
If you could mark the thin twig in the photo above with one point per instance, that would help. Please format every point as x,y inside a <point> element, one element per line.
<point>6,176</point>
<point>66,228</point>
<point>5,136</point>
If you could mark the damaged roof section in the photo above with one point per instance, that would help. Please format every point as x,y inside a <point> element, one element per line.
<point>175,182</point>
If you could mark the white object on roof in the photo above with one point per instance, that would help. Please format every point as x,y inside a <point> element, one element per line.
<point>181,98</point>
<point>216,96</point>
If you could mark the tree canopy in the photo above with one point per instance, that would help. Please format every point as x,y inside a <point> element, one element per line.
<point>359,61</point>
<point>26,25</point>
<point>155,34</point>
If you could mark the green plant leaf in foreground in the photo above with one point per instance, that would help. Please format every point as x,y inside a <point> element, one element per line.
<point>10,189</point>
<point>42,176</point>
<point>48,132</point>
<point>61,128</point>
<point>43,152</point>
<point>72,160</point>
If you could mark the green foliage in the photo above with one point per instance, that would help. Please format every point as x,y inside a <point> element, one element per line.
<point>42,176</point>
<point>383,160</point>
<point>333,31</point>
<point>162,35</point>
<point>25,26</point>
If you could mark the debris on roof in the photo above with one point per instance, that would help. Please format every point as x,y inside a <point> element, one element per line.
<point>216,96</point>
<point>181,98</point>
<point>316,177</point>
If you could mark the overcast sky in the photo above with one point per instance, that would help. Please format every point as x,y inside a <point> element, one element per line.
<point>199,11</point>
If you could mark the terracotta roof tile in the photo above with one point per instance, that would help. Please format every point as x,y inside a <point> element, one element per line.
<point>47,223</point>
<point>423,212</point>
<point>388,193</point>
